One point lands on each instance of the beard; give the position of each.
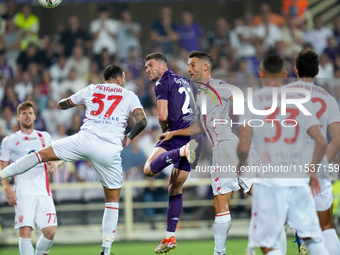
(27, 126)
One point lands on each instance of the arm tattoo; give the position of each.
(65, 104)
(140, 125)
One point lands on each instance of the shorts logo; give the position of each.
(21, 218)
(17, 143)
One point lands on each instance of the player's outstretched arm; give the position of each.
(162, 112)
(318, 153)
(65, 103)
(140, 118)
(194, 129)
(10, 194)
(334, 146)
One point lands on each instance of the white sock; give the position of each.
(331, 241)
(169, 234)
(21, 166)
(315, 248)
(181, 151)
(25, 246)
(43, 245)
(275, 252)
(221, 228)
(283, 240)
(109, 224)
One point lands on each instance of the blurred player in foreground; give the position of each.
(221, 138)
(32, 197)
(278, 196)
(327, 111)
(174, 105)
(100, 140)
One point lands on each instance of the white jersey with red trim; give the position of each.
(279, 140)
(17, 145)
(108, 107)
(324, 107)
(212, 105)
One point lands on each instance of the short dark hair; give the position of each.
(156, 56)
(307, 63)
(112, 72)
(201, 55)
(273, 63)
(25, 105)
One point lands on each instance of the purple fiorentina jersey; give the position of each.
(180, 95)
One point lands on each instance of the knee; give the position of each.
(49, 233)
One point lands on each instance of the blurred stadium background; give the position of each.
(61, 50)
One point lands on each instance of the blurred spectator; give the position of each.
(128, 35)
(265, 11)
(28, 23)
(104, 59)
(190, 33)
(104, 30)
(134, 63)
(77, 121)
(47, 56)
(60, 130)
(10, 99)
(10, 10)
(164, 33)
(222, 40)
(243, 78)
(222, 68)
(33, 69)
(51, 117)
(130, 83)
(332, 48)
(5, 69)
(79, 62)
(182, 61)
(26, 57)
(24, 87)
(246, 33)
(73, 36)
(45, 87)
(5, 121)
(39, 121)
(292, 37)
(59, 71)
(336, 28)
(318, 36)
(3, 84)
(133, 160)
(11, 43)
(326, 70)
(94, 76)
(268, 32)
(72, 83)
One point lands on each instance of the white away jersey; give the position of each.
(108, 107)
(279, 141)
(212, 105)
(17, 145)
(326, 109)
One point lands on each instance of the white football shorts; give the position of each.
(272, 207)
(33, 208)
(324, 200)
(105, 156)
(225, 179)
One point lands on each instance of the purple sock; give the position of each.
(174, 211)
(163, 160)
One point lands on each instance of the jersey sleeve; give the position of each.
(5, 150)
(161, 90)
(79, 97)
(134, 102)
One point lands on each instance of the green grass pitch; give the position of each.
(235, 246)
